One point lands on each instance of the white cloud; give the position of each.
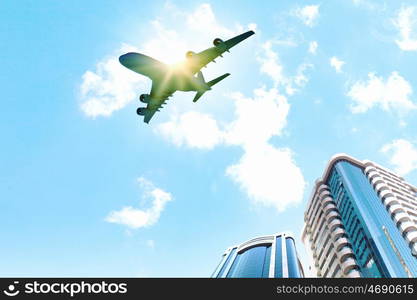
(271, 65)
(403, 155)
(390, 94)
(301, 79)
(312, 47)
(109, 88)
(192, 129)
(337, 64)
(308, 14)
(203, 19)
(406, 23)
(269, 176)
(258, 118)
(265, 173)
(137, 218)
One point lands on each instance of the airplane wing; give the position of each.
(200, 60)
(157, 101)
(144, 65)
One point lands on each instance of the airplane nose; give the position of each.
(137, 62)
(126, 59)
(133, 60)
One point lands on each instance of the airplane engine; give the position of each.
(217, 42)
(189, 54)
(141, 111)
(145, 98)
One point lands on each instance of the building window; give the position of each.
(222, 270)
(293, 270)
(251, 263)
(278, 257)
(337, 269)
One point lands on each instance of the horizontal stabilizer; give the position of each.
(197, 96)
(210, 84)
(216, 80)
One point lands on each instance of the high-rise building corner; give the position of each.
(361, 221)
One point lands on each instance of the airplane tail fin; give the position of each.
(200, 76)
(210, 84)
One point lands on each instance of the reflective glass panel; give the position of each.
(252, 263)
(226, 263)
(278, 258)
(293, 270)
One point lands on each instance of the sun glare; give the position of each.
(172, 55)
(172, 49)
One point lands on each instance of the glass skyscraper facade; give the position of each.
(272, 256)
(361, 221)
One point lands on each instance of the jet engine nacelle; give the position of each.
(217, 42)
(141, 111)
(145, 98)
(189, 54)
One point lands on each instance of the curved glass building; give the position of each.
(271, 256)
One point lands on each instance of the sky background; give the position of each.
(88, 189)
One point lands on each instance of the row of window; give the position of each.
(406, 199)
(354, 231)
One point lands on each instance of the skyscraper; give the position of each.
(272, 256)
(361, 221)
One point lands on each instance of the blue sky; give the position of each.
(88, 189)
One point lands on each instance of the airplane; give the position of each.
(185, 76)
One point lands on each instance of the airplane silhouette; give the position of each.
(186, 76)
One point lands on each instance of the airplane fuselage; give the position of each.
(180, 78)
